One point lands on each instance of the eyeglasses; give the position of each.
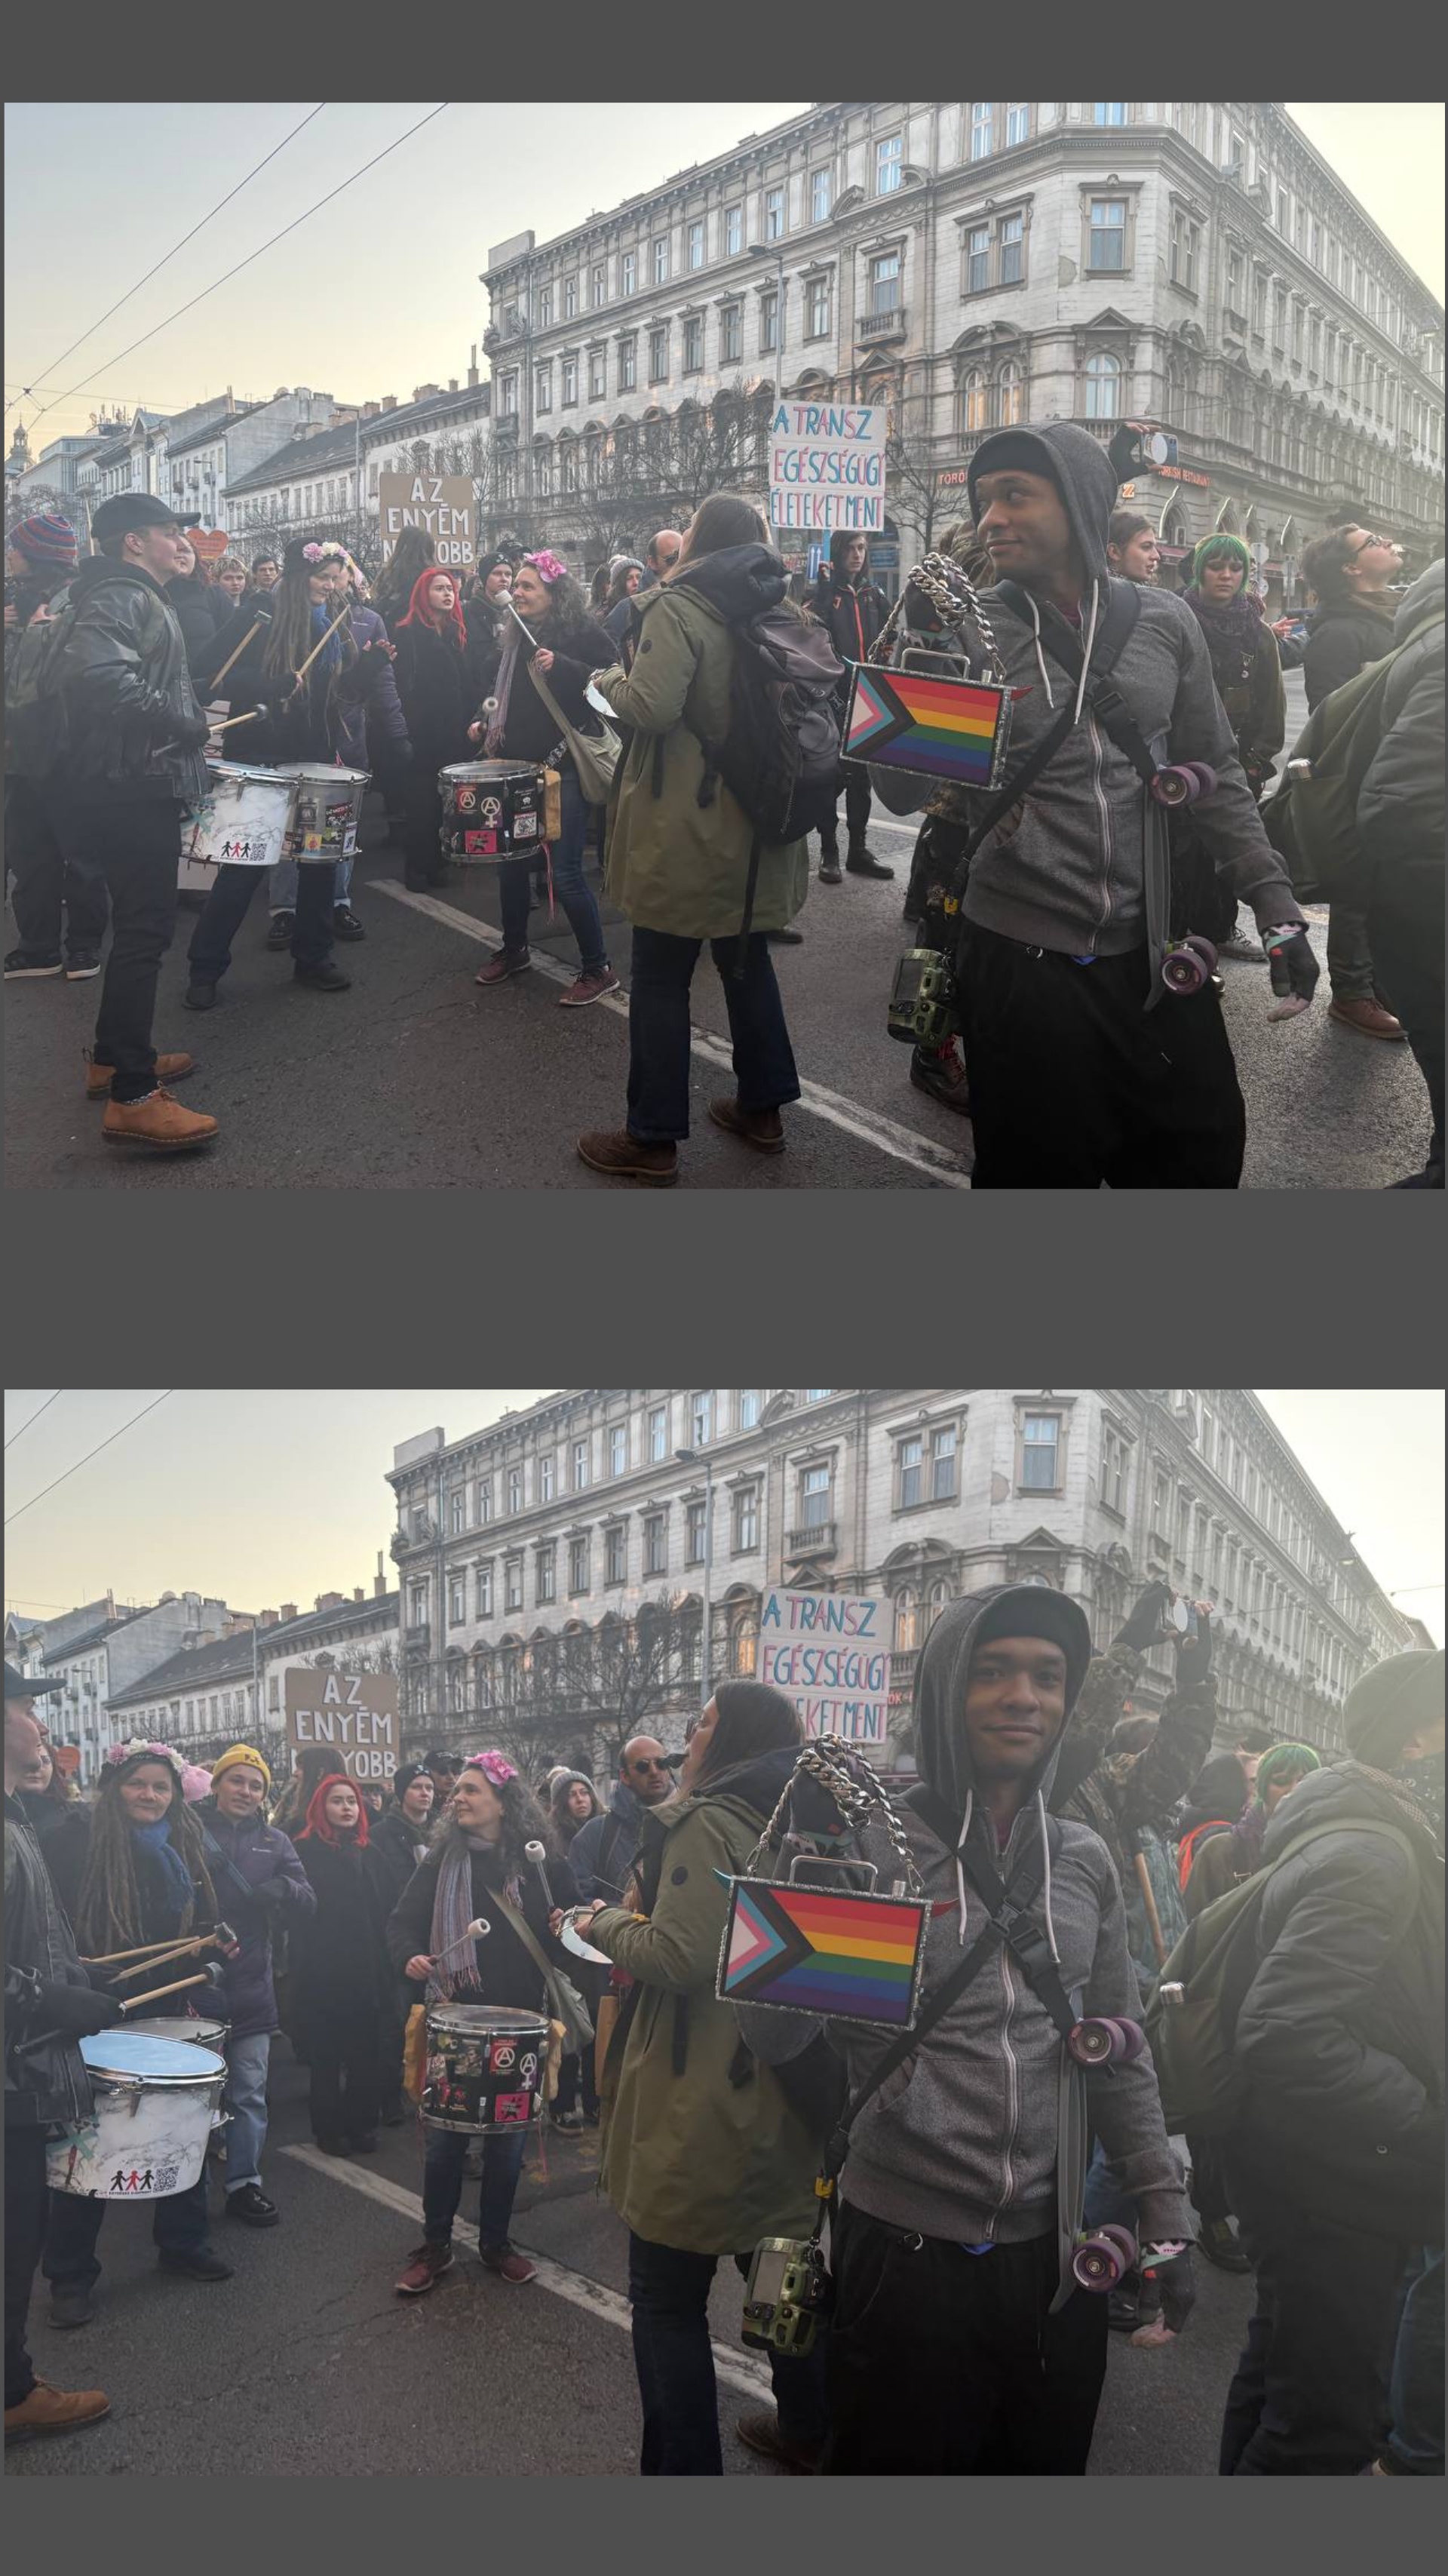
(1366, 542)
(649, 1765)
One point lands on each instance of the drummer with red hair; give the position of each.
(342, 1985)
(432, 682)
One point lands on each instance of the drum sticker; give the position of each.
(349, 842)
(467, 799)
(503, 2057)
(513, 2110)
(528, 2070)
(245, 853)
(492, 810)
(483, 843)
(525, 827)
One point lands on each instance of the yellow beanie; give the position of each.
(234, 1754)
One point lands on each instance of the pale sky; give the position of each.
(255, 1501)
(379, 292)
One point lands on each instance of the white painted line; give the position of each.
(868, 1126)
(737, 2370)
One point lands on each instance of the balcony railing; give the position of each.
(418, 1638)
(817, 1540)
(889, 325)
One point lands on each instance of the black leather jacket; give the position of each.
(47, 2080)
(124, 672)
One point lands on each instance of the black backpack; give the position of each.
(780, 758)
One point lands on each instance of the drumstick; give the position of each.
(178, 1989)
(538, 1856)
(166, 1959)
(155, 1951)
(475, 1932)
(320, 646)
(533, 640)
(263, 619)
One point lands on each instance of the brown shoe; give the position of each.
(589, 988)
(763, 1128)
(943, 1077)
(508, 2263)
(627, 1158)
(55, 2410)
(499, 968)
(760, 2432)
(169, 1068)
(159, 1122)
(1368, 1018)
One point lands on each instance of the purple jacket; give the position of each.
(240, 1858)
(381, 715)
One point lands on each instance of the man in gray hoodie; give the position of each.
(1083, 1068)
(959, 2345)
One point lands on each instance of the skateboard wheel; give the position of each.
(1094, 2043)
(1098, 2263)
(1205, 774)
(1123, 2239)
(1182, 970)
(1176, 785)
(1133, 2039)
(1202, 948)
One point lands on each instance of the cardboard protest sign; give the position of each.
(444, 504)
(827, 466)
(353, 1714)
(827, 1652)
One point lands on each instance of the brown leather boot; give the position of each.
(627, 1158)
(762, 1128)
(158, 1121)
(55, 2410)
(169, 1068)
(1367, 1017)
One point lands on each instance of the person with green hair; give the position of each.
(1247, 669)
(1225, 1859)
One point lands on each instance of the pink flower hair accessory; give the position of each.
(549, 567)
(136, 1751)
(493, 1766)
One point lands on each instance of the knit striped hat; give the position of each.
(46, 539)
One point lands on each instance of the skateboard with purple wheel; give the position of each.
(1103, 2258)
(1188, 963)
(1104, 2040)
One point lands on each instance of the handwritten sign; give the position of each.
(828, 1653)
(827, 466)
(444, 504)
(353, 1715)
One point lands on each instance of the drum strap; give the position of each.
(568, 2004)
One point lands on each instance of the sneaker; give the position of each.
(334, 2146)
(200, 2265)
(589, 988)
(251, 2205)
(943, 1079)
(1368, 1018)
(395, 2119)
(326, 978)
(279, 933)
(627, 1158)
(863, 863)
(787, 938)
(159, 1122)
(81, 964)
(760, 2432)
(200, 996)
(1218, 2241)
(71, 2303)
(346, 924)
(1250, 951)
(507, 2262)
(762, 1128)
(55, 2410)
(17, 964)
(499, 968)
(424, 2270)
(565, 2119)
(366, 2145)
(1123, 2311)
(169, 1069)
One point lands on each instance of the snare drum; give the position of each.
(485, 2068)
(196, 2029)
(153, 2105)
(242, 821)
(326, 811)
(491, 809)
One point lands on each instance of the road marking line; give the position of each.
(867, 1126)
(737, 2370)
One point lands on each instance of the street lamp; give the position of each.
(693, 1458)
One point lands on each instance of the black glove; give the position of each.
(1144, 1627)
(1174, 2278)
(75, 2011)
(1294, 968)
(187, 733)
(1194, 1653)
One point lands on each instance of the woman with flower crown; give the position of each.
(477, 1871)
(139, 1875)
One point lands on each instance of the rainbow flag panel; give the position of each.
(810, 1949)
(936, 728)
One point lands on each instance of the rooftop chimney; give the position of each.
(358, 1594)
(328, 1601)
(452, 384)
(379, 1580)
(266, 1619)
(288, 1611)
(389, 402)
(473, 364)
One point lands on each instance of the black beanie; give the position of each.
(1035, 1610)
(1390, 1703)
(402, 1779)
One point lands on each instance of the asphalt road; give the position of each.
(308, 2363)
(417, 1080)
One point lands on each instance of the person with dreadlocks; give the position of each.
(477, 1871)
(294, 719)
(1336, 2161)
(436, 691)
(341, 1980)
(1247, 669)
(140, 1876)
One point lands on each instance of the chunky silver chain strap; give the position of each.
(953, 596)
(858, 1800)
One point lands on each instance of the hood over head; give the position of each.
(1424, 594)
(1077, 464)
(1344, 1795)
(1004, 1610)
(1218, 1794)
(1392, 1701)
(738, 582)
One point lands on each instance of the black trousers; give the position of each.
(1309, 2397)
(1073, 1083)
(347, 2079)
(946, 2364)
(1200, 899)
(26, 2200)
(225, 909)
(136, 848)
(41, 858)
(1405, 934)
(856, 784)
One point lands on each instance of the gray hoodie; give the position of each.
(961, 2141)
(1082, 865)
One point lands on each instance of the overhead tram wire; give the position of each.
(85, 1461)
(246, 263)
(35, 1417)
(27, 390)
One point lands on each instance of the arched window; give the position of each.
(1103, 385)
(743, 1639)
(1010, 393)
(938, 1596)
(907, 1620)
(974, 401)
(482, 1681)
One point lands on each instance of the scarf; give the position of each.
(1395, 1782)
(1233, 625)
(330, 659)
(452, 1912)
(503, 689)
(161, 1860)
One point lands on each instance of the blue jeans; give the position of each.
(245, 2099)
(178, 2226)
(658, 1031)
(669, 2294)
(282, 884)
(1415, 2396)
(442, 2184)
(576, 897)
(1105, 2203)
